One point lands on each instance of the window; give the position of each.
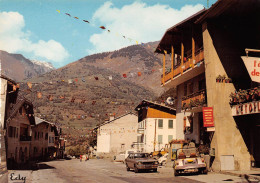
(170, 137)
(185, 89)
(46, 136)
(160, 123)
(160, 139)
(35, 135)
(49, 139)
(170, 124)
(21, 110)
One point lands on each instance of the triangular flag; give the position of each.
(139, 73)
(86, 21)
(110, 77)
(108, 30)
(96, 78)
(76, 79)
(67, 14)
(29, 85)
(39, 95)
(76, 17)
(124, 75)
(102, 27)
(58, 11)
(83, 80)
(165, 51)
(136, 42)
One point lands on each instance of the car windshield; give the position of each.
(140, 155)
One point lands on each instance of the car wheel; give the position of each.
(127, 168)
(176, 173)
(205, 171)
(136, 169)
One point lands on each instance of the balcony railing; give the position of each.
(196, 99)
(138, 145)
(187, 64)
(25, 138)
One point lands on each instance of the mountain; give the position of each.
(86, 92)
(18, 68)
(131, 61)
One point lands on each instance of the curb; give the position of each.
(246, 176)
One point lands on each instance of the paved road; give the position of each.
(104, 171)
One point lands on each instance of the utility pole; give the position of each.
(154, 143)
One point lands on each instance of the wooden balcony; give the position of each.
(180, 69)
(197, 99)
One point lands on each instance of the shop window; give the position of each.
(10, 134)
(170, 137)
(170, 124)
(49, 139)
(160, 123)
(160, 139)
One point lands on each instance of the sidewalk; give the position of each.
(250, 174)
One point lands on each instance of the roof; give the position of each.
(39, 121)
(231, 8)
(20, 101)
(8, 79)
(106, 122)
(168, 37)
(146, 103)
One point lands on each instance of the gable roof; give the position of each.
(230, 9)
(39, 121)
(21, 101)
(106, 122)
(146, 103)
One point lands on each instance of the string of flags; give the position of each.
(101, 27)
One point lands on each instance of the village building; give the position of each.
(18, 131)
(206, 67)
(156, 126)
(117, 135)
(46, 142)
(9, 90)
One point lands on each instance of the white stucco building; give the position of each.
(118, 134)
(156, 126)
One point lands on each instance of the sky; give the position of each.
(40, 29)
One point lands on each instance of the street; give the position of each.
(94, 170)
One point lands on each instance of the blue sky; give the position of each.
(35, 29)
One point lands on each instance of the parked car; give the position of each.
(140, 161)
(188, 161)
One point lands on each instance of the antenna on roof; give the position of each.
(207, 3)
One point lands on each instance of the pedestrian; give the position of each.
(86, 158)
(80, 158)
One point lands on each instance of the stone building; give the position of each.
(204, 48)
(117, 135)
(156, 126)
(46, 142)
(18, 131)
(9, 91)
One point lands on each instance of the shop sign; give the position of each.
(246, 108)
(253, 67)
(208, 117)
(210, 129)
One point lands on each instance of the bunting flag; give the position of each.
(110, 77)
(124, 75)
(70, 81)
(83, 101)
(136, 42)
(86, 21)
(108, 30)
(96, 78)
(185, 59)
(14, 87)
(102, 27)
(93, 102)
(50, 97)
(83, 80)
(68, 14)
(29, 85)
(39, 95)
(165, 52)
(76, 79)
(58, 11)
(76, 17)
(198, 64)
(139, 73)
(72, 100)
